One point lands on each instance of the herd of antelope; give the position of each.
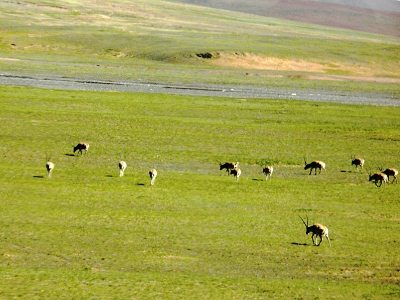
(232, 168)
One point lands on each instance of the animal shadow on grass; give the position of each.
(347, 171)
(298, 244)
(258, 179)
(38, 176)
(69, 154)
(141, 184)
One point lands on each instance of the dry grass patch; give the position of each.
(259, 62)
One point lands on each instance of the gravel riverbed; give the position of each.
(243, 92)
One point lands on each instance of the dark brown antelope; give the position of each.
(153, 175)
(236, 172)
(228, 166)
(267, 171)
(382, 178)
(317, 230)
(122, 166)
(358, 162)
(82, 146)
(316, 164)
(49, 167)
(391, 172)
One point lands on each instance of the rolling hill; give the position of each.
(169, 41)
(382, 17)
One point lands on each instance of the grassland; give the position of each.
(164, 41)
(88, 234)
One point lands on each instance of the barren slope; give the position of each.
(322, 13)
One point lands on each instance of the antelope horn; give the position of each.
(303, 221)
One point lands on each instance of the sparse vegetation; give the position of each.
(173, 42)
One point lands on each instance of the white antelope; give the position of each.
(153, 175)
(391, 172)
(122, 166)
(317, 230)
(316, 164)
(267, 171)
(82, 146)
(358, 162)
(236, 172)
(382, 178)
(228, 166)
(49, 167)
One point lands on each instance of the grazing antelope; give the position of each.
(82, 146)
(381, 177)
(316, 164)
(49, 167)
(391, 172)
(153, 175)
(358, 162)
(122, 166)
(236, 172)
(317, 230)
(267, 171)
(228, 166)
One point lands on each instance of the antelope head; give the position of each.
(307, 227)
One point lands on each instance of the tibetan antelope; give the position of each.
(267, 171)
(228, 166)
(316, 164)
(153, 175)
(122, 166)
(82, 146)
(49, 167)
(358, 162)
(236, 172)
(381, 177)
(391, 172)
(317, 230)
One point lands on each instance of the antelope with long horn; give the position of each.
(122, 166)
(317, 230)
(153, 175)
(382, 178)
(316, 164)
(49, 167)
(82, 146)
(391, 172)
(236, 172)
(358, 162)
(228, 166)
(267, 171)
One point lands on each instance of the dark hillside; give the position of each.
(386, 22)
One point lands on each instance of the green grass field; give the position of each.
(86, 233)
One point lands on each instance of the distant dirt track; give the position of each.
(200, 90)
